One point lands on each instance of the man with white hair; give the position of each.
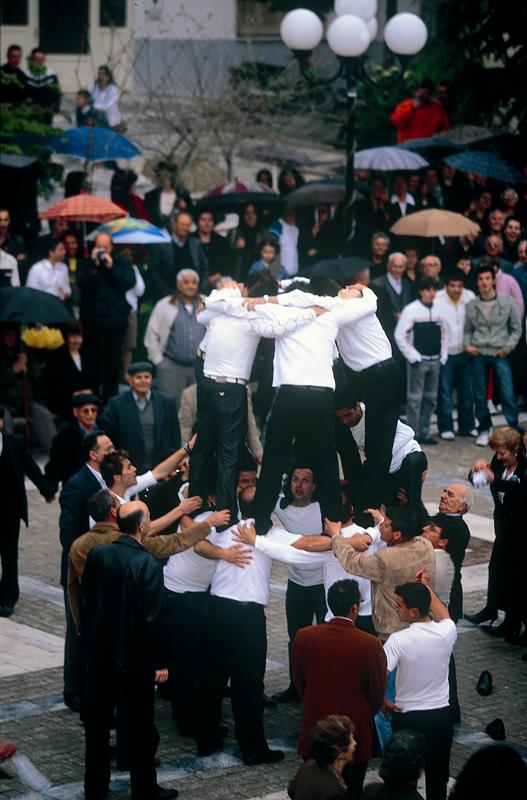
(396, 285)
(455, 501)
(173, 335)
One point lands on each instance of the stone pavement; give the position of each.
(33, 717)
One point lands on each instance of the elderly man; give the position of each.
(397, 286)
(430, 267)
(494, 251)
(67, 454)
(142, 420)
(103, 282)
(184, 252)
(173, 335)
(455, 501)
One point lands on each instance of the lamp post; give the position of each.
(349, 35)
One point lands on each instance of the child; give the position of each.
(269, 252)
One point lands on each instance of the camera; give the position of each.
(101, 260)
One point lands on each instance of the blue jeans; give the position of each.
(455, 374)
(384, 724)
(503, 377)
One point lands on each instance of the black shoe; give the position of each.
(484, 684)
(485, 615)
(496, 730)
(269, 702)
(208, 748)
(289, 695)
(263, 757)
(73, 701)
(6, 611)
(501, 631)
(427, 440)
(165, 794)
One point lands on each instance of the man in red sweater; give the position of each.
(421, 115)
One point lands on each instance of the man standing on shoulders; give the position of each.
(142, 420)
(421, 654)
(492, 330)
(67, 455)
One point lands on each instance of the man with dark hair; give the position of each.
(421, 335)
(421, 654)
(492, 330)
(67, 454)
(217, 248)
(43, 86)
(421, 115)
(184, 252)
(13, 79)
(512, 234)
(125, 645)
(403, 760)
(339, 667)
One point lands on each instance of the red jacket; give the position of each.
(416, 123)
(338, 669)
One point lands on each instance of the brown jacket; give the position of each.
(161, 546)
(387, 569)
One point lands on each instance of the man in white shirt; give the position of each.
(51, 274)
(455, 372)
(421, 654)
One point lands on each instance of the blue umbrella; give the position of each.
(128, 230)
(93, 144)
(483, 162)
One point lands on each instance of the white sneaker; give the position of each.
(483, 439)
(448, 435)
(492, 408)
(473, 432)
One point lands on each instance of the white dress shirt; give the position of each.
(453, 315)
(99, 477)
(403, 443)
(304, 521)
(231, 343)
(395, 283)
(138, 289)
(53, 279)
(289, 247)
(403, 204)
(107, 100)
(188, 571)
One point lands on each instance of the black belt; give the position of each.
(378, 365)
(306, 388)
(231, 601)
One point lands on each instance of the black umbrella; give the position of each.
(331, 190)
(234, 201)
(26, 306)
(336, 268)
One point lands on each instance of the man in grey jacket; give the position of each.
(492, 330)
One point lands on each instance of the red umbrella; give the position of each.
(85, 207)
(237, 187)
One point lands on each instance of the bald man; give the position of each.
(121, 596)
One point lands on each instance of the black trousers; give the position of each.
(302, 604)
(186, 614)
(304, 415)
(354, 774)
(235, 648)
(409, 477)
(9, 589)
(436, 727)
(134, 695)
(74, 666)
(222, 429)
(380, 388)
(101, 350)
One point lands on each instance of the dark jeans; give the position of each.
(302, 603)
(222, 429)
(503, 377)
(9, 590)
(436, 727)
(101, 352)
(134, 695)
(73, 655)
(235, 648)
(410, 477)
(455, 374)
(354, 774)
(304, 415)
(186, 613)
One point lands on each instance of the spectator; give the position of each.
(160, 203)
(412, 260)
(13, 91)
(496, 770)
(509, 201)
(493, 250)
(103, 282)
(122, 193)
(421, 115)
(319, 241)
(51, 274)
(479, 207)
(397, 286)
(246, 238)
(9, 242)
(512, 234)
(173, 335)
(378, 254)
(67, 454)
(182, 253)
(66, 373)
(519, 273)
(403, 760)
(464, 264)
(287, 234)
(264, 177)
(455, 373)
(422, 339)
(71, 259)
(269, 252)
(430, 193)
(506, 284)
(332, 745)
(9, 275)
(430, 267)
(85, 113)
(57, 230)
(42, 84)
(217, 248)
(452, 188)
(492, 330)
(371, 215)
(106, 95)
(289, 180)
(401, 201)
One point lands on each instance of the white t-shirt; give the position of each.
(421, 653)
(305, 521)
(188, 571)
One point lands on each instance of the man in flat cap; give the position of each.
(67, 454)
(142, 420)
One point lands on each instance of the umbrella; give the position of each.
(312, 193)
(233, 201)
(235, 187)
(16, 162)
(128, 230)
(435, 222)
(483, 162)
(86, 207)
(465, 135)
(93, 144)
(335, 268)
(388, 159)
(26, 306)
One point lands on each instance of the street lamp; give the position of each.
(349, 35)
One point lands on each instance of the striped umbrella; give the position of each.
(483, 162)
(388, 159)
(132, 231)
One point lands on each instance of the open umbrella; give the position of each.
(236, 187)
(435, 222)
(466, 135)
(93, 144)
(335, 268)
(331, 190)
(483, 162)
(27, 306)
(128, 230)
(388, 159)
(84, 207)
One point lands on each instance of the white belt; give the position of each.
(225, 379)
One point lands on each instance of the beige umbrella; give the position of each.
(435, 222)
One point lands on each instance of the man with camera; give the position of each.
(420, 115)
(103, 281)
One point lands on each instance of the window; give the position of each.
(13, 12)
(112, 14)
(58, 16)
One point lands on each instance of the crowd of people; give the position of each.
(288, 391)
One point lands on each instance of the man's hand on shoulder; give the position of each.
(332, 528)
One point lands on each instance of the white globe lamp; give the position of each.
(365, 9)
(373, 27)
(405, 34)
(348, 36)
(301, 29)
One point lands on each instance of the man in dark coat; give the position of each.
(103, 282)
(338, 668)
(142, 420)
(183, 252)
(122, 623)
(15, 464)
(67, 455)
